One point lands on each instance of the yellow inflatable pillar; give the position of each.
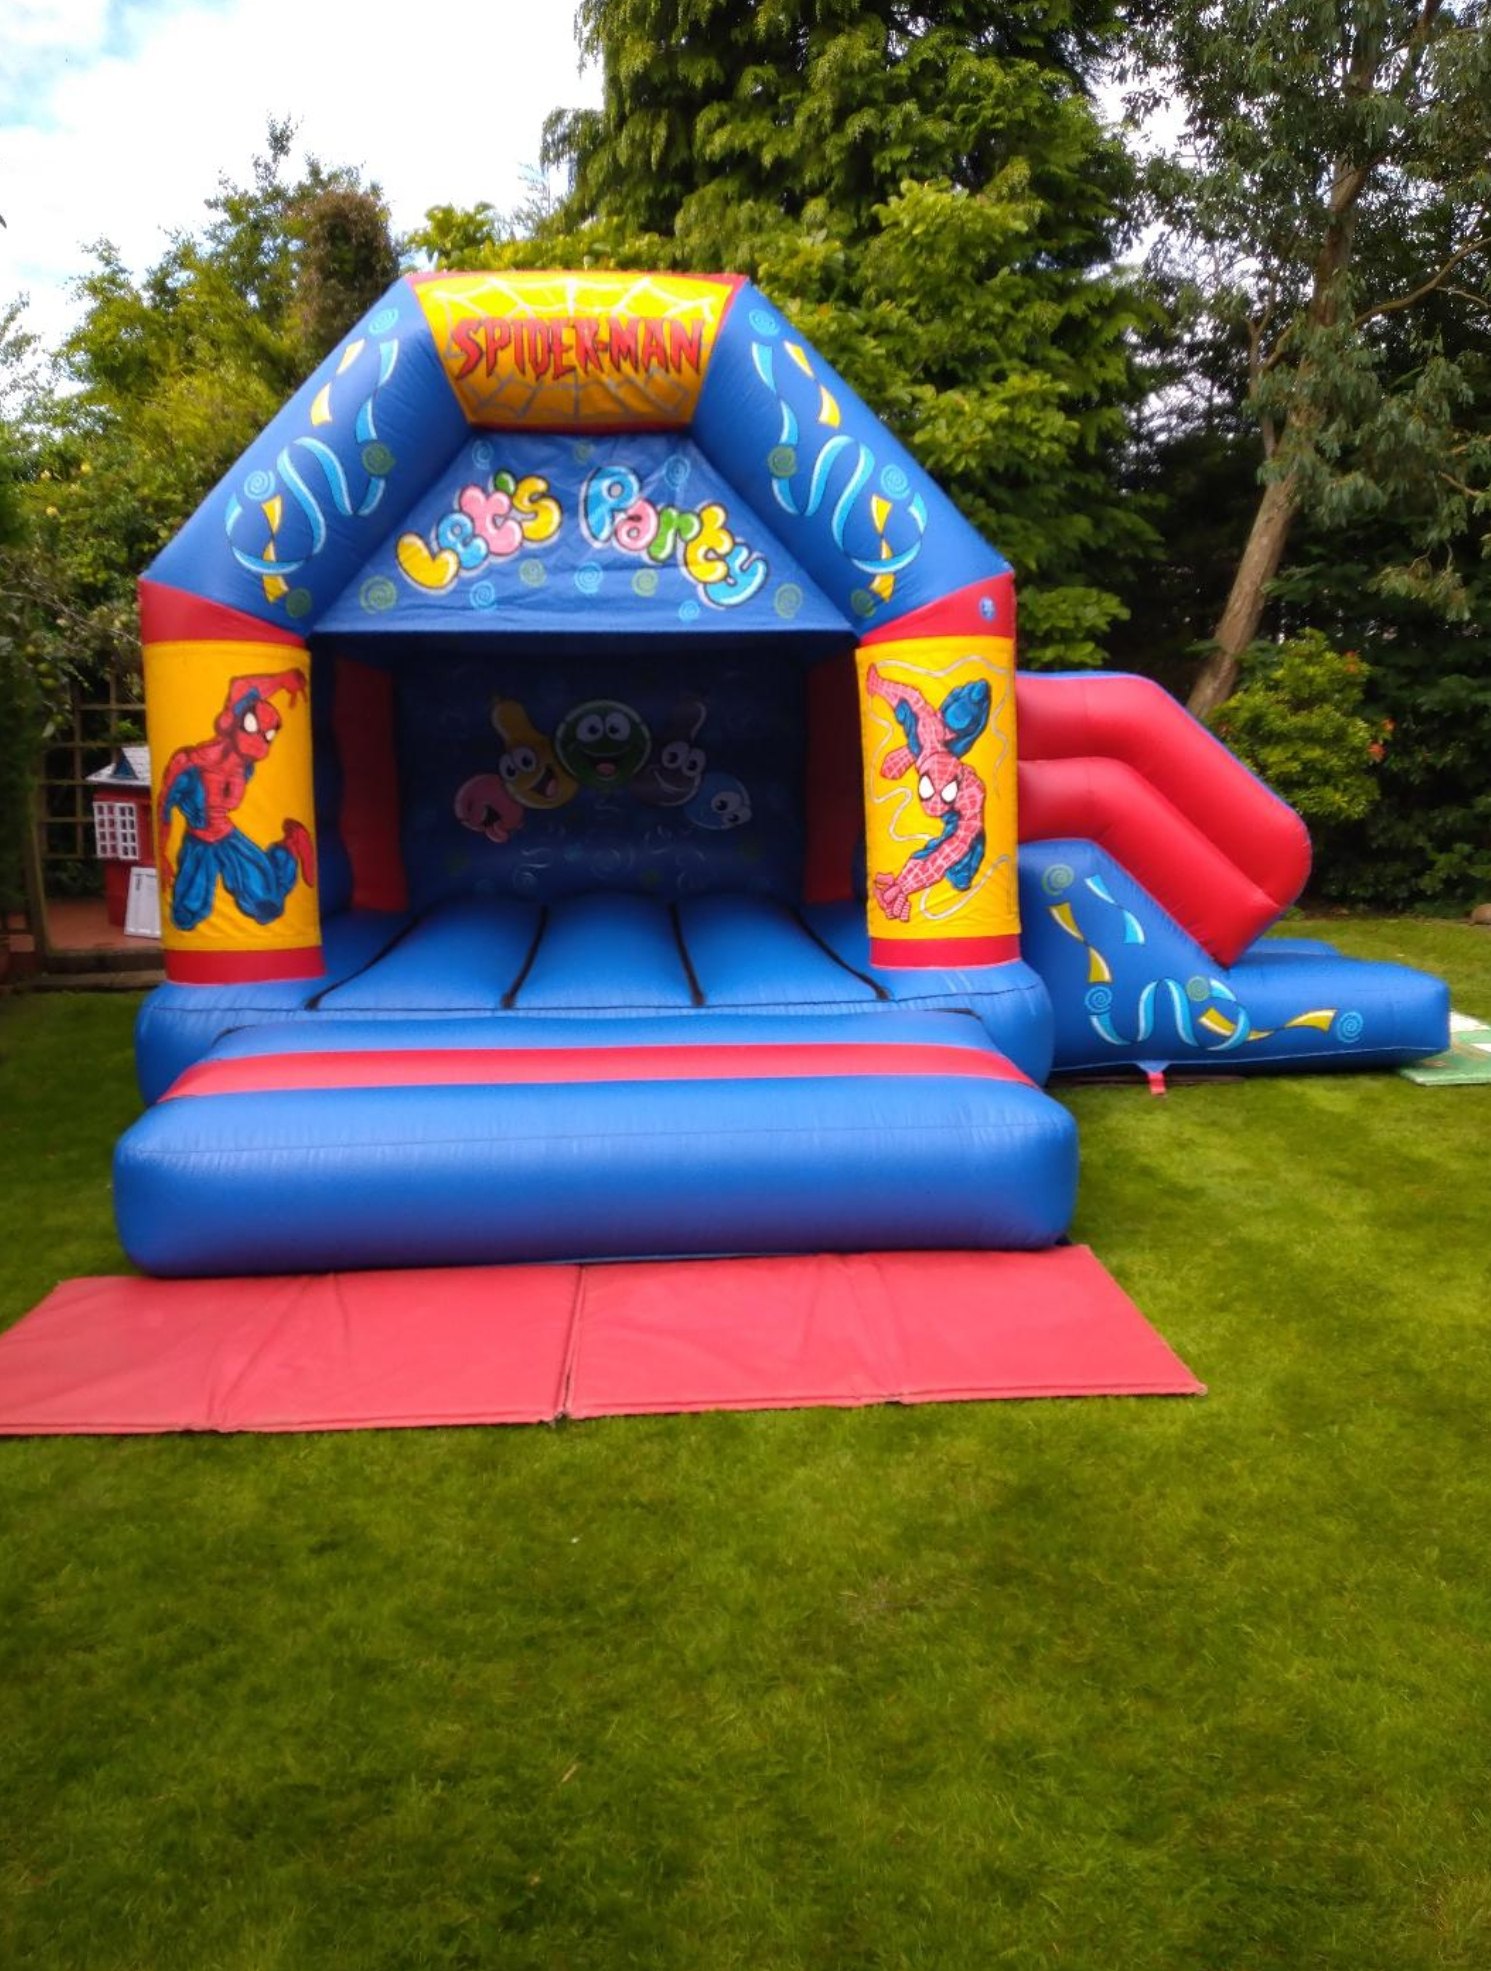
(937, 717)
(230, 745)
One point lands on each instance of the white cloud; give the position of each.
(55, 23)
(127, 146)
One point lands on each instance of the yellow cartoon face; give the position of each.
(529, 770)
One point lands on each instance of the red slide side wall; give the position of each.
(1117, 761)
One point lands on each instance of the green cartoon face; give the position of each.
(602, 744)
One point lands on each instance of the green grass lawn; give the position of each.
(1108, 1684)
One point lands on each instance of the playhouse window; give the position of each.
(116, 828)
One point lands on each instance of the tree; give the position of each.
(161, 386)
(168, 378)
(347, 259)
(1330, 204)
(800, 102)
(1429, 695)
(931, 197)
(310, 257)
(21, 696)
(19, 395)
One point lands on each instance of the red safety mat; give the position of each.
(527, 1344)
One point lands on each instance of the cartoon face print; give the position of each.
(939, 782)
(529, 770)
(602, 744)
(252, 725)
(485, 805)
(673, 773)
(721, 802)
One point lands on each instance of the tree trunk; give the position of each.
(1269, 534)
(1267, 540)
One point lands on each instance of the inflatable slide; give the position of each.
(1152, 862)
(599, 818)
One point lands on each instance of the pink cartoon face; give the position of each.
(485, 805)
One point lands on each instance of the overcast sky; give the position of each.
(116, 116)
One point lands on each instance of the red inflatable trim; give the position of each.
(362, 721)
(170, 615)
(453, 1067)
(835, 775)
(244, 967)
(983, 608)
(1119, 762)
(951, 954)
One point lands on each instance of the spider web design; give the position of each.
(597, 397)
(904, 806)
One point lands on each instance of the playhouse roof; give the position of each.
(130, 767)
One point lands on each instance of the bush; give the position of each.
(1429, 837)
(1298, 723)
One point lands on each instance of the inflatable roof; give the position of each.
(329, 519)
(561, 455)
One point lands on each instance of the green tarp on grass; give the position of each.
(1468, 1058)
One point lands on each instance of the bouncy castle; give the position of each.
(599, 817)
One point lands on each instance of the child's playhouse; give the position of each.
(599, 817)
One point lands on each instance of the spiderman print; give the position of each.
(206, 785)
(950, 792)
